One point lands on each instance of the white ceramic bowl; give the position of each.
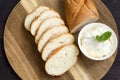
(93, 49)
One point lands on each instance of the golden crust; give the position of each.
(79, 11)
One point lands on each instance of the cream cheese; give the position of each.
(91, 47)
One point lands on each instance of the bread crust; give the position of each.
(80, 12)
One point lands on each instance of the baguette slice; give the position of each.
(43, 16)
(62, 60)
(79, 13)
(59, 41)
(30, 17)
(47, 24)
(50, 33)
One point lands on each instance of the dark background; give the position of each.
(6, 72)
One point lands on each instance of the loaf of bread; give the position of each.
(79, 13)
(30, 17)
(61, 60)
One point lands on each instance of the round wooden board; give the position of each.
(24, 58)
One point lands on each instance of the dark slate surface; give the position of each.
(7, 73)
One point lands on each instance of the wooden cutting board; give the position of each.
(24, 57)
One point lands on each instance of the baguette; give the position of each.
(79, 13)
(54, 41)
(62, 60)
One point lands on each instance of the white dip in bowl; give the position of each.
(93, 49)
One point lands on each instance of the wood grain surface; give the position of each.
(22, 53)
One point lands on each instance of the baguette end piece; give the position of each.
(62, 60)
(82, 24)
(80, 14)
(31, 16)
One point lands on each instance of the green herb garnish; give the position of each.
(105, 36)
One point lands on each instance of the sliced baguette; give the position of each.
(30, 17)
(62, 60)
(50, 33)
(43, 16)
(59, 41)
(47, 24)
